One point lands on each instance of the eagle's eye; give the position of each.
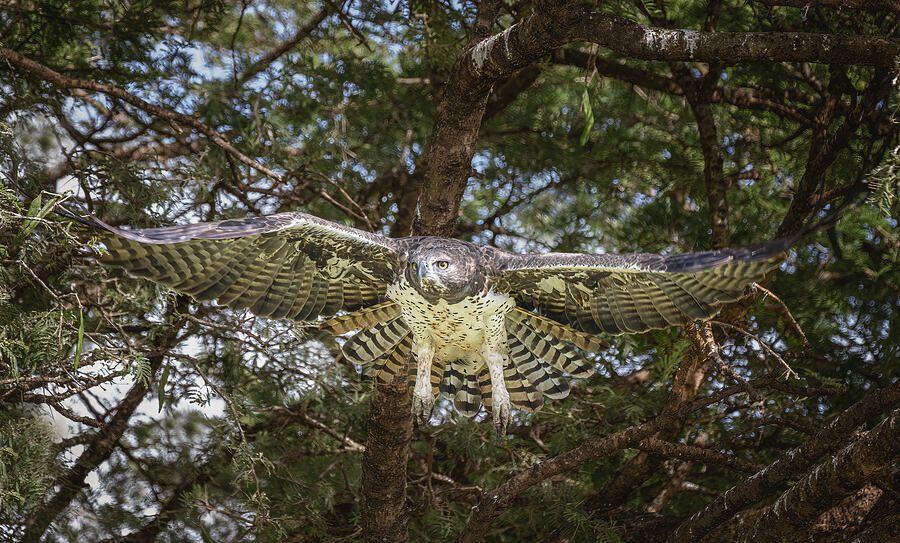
(442, 264)
(414, 266)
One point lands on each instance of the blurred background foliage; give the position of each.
(251, 429)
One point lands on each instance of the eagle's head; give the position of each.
(444, 268)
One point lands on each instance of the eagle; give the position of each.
(485, 327)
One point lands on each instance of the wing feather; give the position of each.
(635, 292)
(286, 265)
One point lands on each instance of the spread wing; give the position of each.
(636, 292)
(289, 265)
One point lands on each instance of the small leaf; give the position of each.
(36, 212)
(80, 342)
(35, 206)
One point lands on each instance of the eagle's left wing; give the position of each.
(288, 265)
(635, 292)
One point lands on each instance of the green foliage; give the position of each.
(27, 463)
(579, 161)
(884, 184)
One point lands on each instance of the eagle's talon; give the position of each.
(422, 407)
(502, 414)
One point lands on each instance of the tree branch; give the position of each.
(779, 472)
(789, 517)
(494, 502)
(713, 164)
(389, 425)
(742, 97)
(106, 439)
(825, 147)
(63, 82)
(868, 5)
(696, 454)
(685, 387)
(651, 43)
(448, 154)
(301, 34)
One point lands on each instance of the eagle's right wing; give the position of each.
(289, 265)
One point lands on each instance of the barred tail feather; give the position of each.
(375, 342)
(544, 377)
(467, 399)
(394, 362)
(582, 340)
(364, 318)
(550, 349)
(522, 393)
(460, 384)
(484, 387)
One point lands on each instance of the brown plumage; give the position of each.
(487, 327)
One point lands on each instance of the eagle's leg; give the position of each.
(501, 409)
(423, 399)
(495, 353)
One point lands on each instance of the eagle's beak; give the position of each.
(422, 270)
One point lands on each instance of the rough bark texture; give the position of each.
(779, 472)
(644, 42)
(872, 5)
(789, 518)
(390, 426)
(447, 160)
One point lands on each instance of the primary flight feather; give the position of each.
(486, 327)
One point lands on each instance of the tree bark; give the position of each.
(870, 5)
(384, 512)
(788, 519)
(776, 475)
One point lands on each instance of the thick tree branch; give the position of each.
(696, 454)
(779, 472)
(869, 5)
(713, 164)
(788, 519)
(384, 513)
(461, 107)
(649, 43)
(539, 34)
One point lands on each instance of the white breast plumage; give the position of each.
(457, 330)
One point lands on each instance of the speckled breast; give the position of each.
(456, 329)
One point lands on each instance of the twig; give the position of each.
(786, 313)
(57, 79)
(763, 344)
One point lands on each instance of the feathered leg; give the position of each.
(495, 353)
(423, 399)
